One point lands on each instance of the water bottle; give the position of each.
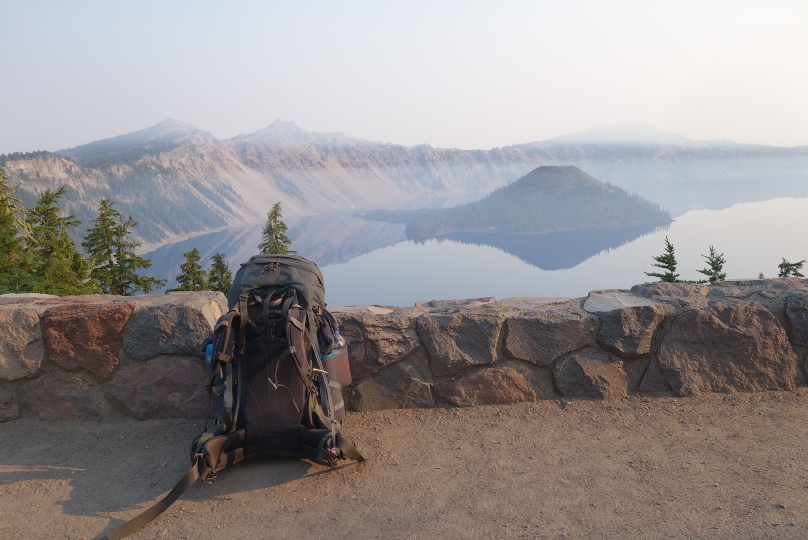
(209, 354)
(339, 341)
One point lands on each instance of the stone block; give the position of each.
(627, 322)
(171, 387)
(677, 294)
(543, 337)
(727, 347)
(590, 374)
(85, 336)
(376, 341)
(796, 312)
(8, 406)
(58, 395)
(653, 380)
(401, 386)
(765, 288)
(457, 341)
(176, 324)
(21, 348)
(491, 386)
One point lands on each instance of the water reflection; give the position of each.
(553, 251)
(371, 262)
(326, 239)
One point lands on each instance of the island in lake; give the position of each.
(546, 200)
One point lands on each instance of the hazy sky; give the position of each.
(452, 74)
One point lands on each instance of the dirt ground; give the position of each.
(718, 466)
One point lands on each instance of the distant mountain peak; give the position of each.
(281, 131)
(624, 133)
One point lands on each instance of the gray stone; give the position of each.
(735, 346)
(604, 301)
(765, 288)
(629, 331)
(653, 380)
(542, 337)
(21, 348)
(455, 342)
(491, 386)
(376, 341)
(454, 305)
(401, 386)
(796, 311)
(8, 406)
(527, 303)
(175, 325)
(590, 374)
(16, 297)
(58, 395)
(676, 294)
(170, 387)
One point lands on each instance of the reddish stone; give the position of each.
(493, 386)
(590, 374)
(376, 341)
(727, 347)
(86, 337)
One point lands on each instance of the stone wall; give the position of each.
(100, 357)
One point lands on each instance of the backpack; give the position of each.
(277, 368)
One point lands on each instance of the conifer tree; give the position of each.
(13, 275)
(274, 239)
(58, 267)
(715, 263)
(220, 278)
(788, 269)
(666, 261)
(111, 249)
(192, 277)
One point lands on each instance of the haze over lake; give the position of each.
(374, 263)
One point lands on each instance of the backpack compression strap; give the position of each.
(339, 439)
(146, 517)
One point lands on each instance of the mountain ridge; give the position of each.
(178, 180)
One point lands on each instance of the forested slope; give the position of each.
(548, 199)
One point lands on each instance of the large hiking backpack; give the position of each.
(277, 367)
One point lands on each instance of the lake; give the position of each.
(374, 263)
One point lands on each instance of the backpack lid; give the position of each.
(292, 271)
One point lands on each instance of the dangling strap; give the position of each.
(242, 331)
(218, 404)
(146, 517)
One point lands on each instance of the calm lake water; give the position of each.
(374, 263)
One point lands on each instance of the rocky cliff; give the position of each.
(177, 180)
(98, 357)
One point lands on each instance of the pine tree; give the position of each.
(111, 251)
(788, 269)
(58, 267)
(13, 275)
(220, 278)
(275, 241)
(715, 263)
(192, 277)
(666, 261)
